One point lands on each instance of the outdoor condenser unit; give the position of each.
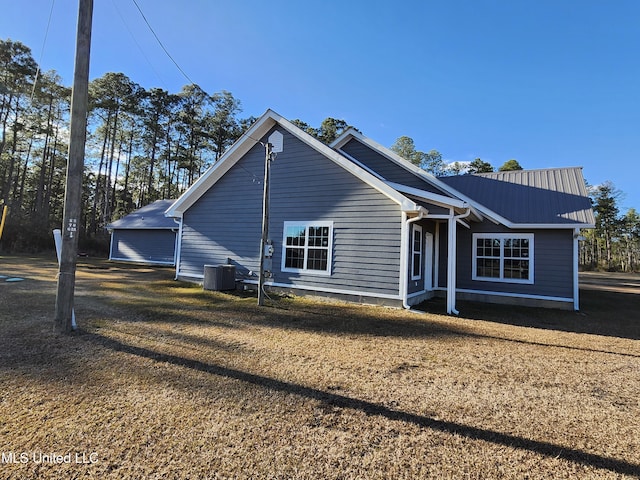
(219, 277)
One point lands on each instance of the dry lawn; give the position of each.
(166, 381)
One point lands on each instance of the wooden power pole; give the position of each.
(75, 169)
(265, 222)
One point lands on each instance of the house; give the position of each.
(354, 220)
(145, 236)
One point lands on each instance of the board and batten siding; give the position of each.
(553, 263)
(144, 246)
(225, 223)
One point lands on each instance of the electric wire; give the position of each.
(161, 44)
(122, 19)
(44, 43)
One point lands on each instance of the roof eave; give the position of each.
(240, 147)
(248, 141)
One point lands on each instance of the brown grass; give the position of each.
(167, 381)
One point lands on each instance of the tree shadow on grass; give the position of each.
(344, 319)
(373, 409)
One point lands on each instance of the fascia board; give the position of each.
(245, 143)
(339, 142)
(433, 197)
(394, 157)
(549, 226)
(140, 228)
(406, 204)
(484, 211)
(250, 138)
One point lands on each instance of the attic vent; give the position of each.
(276, 140)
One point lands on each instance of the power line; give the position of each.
(44, 43)
(133, 37)
(161, 45)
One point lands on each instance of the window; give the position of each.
(307, 247)
(416, 253)
(503, 257)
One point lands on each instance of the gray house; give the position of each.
(145, 236)
(355, 220)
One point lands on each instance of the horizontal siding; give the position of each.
(226, 222)
(553, 263)
(144, 246)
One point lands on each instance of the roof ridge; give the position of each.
(526, 170)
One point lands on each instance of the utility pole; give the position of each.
(75, 168)
(265, 222)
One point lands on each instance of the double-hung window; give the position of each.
(501, 257)
(307, 246)
(416, 253)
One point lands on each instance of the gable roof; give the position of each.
(447, 197)
(148, 217)
(352, 133)
(546, 198)
(553, 197)
(251, 137)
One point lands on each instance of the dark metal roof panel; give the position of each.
(555, 196)
(148, 217)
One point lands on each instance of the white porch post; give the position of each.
(451, 265)
(576, 262)
(404, 258)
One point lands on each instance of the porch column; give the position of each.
(451, 265)
(576, 267)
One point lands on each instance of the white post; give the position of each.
(576, 268)
(451, 265)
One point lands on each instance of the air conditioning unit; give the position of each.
(219, 277)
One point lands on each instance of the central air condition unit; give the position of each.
(219, 277)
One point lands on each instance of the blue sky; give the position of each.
(548, 82)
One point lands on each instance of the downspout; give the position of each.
(576, 263)
(110, 243)
(406, 242)
(178, 245)
(452, 259)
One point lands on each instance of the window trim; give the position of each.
(502, 237)
(329, 248)
(417, 230)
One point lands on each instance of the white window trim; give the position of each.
(502, 237)
(416, 229)
(307, 224)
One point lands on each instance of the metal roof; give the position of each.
(149, 217)
(555, 196)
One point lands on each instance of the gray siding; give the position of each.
(389, 170)
(225, 223)
(143, 246)
(553, 262)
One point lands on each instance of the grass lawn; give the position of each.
(164, 380)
